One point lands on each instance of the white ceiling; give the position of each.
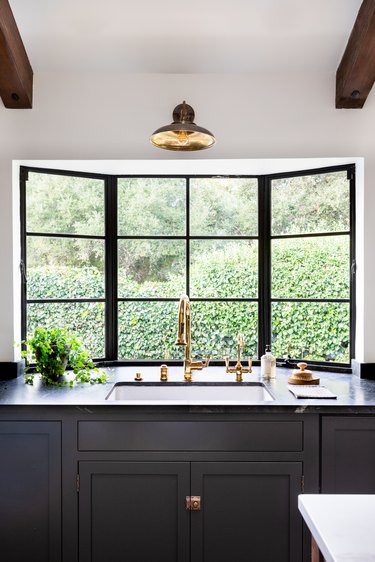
(198, 36)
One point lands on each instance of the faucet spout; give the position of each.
(183, 332)
(184, 338)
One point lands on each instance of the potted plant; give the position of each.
(55, 350)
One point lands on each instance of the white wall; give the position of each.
(110, 117)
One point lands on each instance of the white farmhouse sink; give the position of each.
(190, 393)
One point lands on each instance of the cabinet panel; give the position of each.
(262, 435)
(30, 491)
(249, 512)
(133, 511)
(348, 455)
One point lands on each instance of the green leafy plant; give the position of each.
(306, 268)
(55, 350)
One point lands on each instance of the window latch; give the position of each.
(23, 272)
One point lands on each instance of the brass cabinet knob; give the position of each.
(193, 503)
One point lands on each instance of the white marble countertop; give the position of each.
(343, 526)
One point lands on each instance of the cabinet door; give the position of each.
(248, 512)
(30, 491)
(134, 511)
(348, 455)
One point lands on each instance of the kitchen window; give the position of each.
(267, 256)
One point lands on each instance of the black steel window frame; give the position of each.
(264, 239)
(350, 172)
(109, 254)
(187, 237)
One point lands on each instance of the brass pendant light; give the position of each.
(183, 133)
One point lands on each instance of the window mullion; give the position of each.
(264, 221)
(351, 178)
(111, 308)
(188, 236)
(24, 176)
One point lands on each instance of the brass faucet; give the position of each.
(238, 369)
(184, 338)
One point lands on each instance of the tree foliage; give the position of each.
(317, 331)
(302, 268)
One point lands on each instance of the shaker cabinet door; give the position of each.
(248, 512)
(348, 455)
(133, 511)
(30, 491)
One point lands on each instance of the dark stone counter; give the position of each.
(354, 395)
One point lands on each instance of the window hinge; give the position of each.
(77, 483)
(351, 173)
(302, 484)
(24, 174)
(23, 272)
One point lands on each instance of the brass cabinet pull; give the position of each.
(193, 503)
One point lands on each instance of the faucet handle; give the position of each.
(241, 342)
(226, 359)
(250, 363)
(199, 365)
(206, 361)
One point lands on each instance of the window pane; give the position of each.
(64, 204)
(85, 320)
(316, 203)
(151, 268)
(151, 206)
(224, 206)
(216, 325)
(311, 267)
(148, 330)
(64, 268)
(313, 331)
(224, 268)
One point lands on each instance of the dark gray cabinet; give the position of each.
(262, 434)
(348, 455)
(108, 484)
(133, 511)
(247, 470)
(136, 511)
(30, 491)
(249, 512)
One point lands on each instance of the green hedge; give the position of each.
(310, 268)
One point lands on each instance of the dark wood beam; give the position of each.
(356, 73)
(16, 74)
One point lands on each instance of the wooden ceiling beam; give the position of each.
(356, 72)
(16, 74)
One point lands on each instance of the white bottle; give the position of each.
(268, 364)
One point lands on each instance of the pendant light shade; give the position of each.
(183, 133)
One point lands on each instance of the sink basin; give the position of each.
(190, 393)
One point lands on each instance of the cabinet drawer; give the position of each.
(190, 436)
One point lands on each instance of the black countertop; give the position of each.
(354, 395)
